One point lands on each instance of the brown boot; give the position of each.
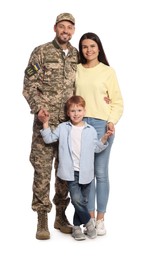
(61, 221)
(42, 226)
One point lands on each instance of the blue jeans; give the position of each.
(99, 191)
(79, 197)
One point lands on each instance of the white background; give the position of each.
(120, 26)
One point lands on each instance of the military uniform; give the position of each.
(48, 83)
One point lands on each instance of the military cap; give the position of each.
(65, 17)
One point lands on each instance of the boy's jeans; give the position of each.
(79, 197)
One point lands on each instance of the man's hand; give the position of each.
(107, 100)
(43, 115)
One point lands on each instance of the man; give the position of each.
(48, 83)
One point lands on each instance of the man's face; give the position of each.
(64, 31)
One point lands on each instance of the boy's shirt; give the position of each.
(89, 145)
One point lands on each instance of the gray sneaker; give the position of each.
(85, 229)
(90, 229)
(77, 233)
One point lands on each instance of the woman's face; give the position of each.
(90, 49)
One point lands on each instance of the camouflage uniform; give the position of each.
(48, 83)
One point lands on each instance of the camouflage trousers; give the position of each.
(41, 158)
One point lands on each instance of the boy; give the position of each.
(77, 143)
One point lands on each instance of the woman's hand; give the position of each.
(110, 127)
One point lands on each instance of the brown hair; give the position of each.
(75, 100)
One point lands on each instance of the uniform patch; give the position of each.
(32, 69)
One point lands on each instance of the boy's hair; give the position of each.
(75, 100)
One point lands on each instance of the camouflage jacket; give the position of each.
(49, 79)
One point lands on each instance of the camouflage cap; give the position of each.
(65, 17)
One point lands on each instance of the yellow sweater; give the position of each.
(93, 84)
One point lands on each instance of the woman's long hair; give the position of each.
(92, 36)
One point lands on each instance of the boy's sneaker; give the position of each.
(100, 227)
(77, 233)
(85, 229)
(90, 229)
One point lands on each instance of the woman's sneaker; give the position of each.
(77, 233)
(100, 227)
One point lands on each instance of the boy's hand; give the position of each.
(108, 133)
(106, 136)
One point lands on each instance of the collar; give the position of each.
(86, 125)
(57, 45)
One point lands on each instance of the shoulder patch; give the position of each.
(32, 69)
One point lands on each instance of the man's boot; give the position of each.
(61, 221)
(42, 226)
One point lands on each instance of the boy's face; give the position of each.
(76, 114)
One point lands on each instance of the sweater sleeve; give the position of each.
(116, 105)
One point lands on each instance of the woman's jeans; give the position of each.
(79, 197)
(99, 191)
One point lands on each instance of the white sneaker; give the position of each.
(100, 227)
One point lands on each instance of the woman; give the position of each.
(95, 79)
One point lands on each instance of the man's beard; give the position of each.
(62, 41)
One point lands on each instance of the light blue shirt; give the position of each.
(89, 145)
